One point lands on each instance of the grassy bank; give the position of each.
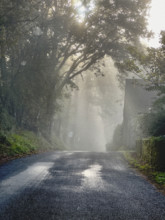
(157, 178)
(22, 143)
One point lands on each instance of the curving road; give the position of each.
(76, 185)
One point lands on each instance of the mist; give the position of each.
(92, 111)
(82, 108)
(62, 67)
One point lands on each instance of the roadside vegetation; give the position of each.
(148, 153)
(23, 143)
(156, 177)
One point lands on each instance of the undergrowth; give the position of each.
(155, 176)
(25, 143)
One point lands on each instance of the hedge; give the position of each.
(152, 151)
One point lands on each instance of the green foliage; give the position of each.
(145, 168)
(153, 152)
(147, 63)
(43, 47)
(153, 124)
(15, 144)
(6, 120)
(24, 143)
(159, 177)
(3, 139)
(135, 162)
(21, 145)
(4, 144)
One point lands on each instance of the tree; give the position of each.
(152, 124)
(44, 46)
(149, 64)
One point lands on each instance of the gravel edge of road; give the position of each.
(147, 176)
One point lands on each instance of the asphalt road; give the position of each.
(76, 185)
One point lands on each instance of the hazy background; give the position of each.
(92, 111)
(91, 114)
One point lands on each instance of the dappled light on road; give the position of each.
(15, 183)
(92, 177)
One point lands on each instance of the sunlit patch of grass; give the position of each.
(25, 143)
(21, 145)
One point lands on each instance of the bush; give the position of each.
(6, 120)
(160, 178)
(21, 145)
(153, 152)
(24, 143)
(153, 124)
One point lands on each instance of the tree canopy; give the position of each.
(149, 64)
(45, 44)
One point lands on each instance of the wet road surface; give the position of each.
(76, 185)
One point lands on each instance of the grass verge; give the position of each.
(155, 177)
(23, 143)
